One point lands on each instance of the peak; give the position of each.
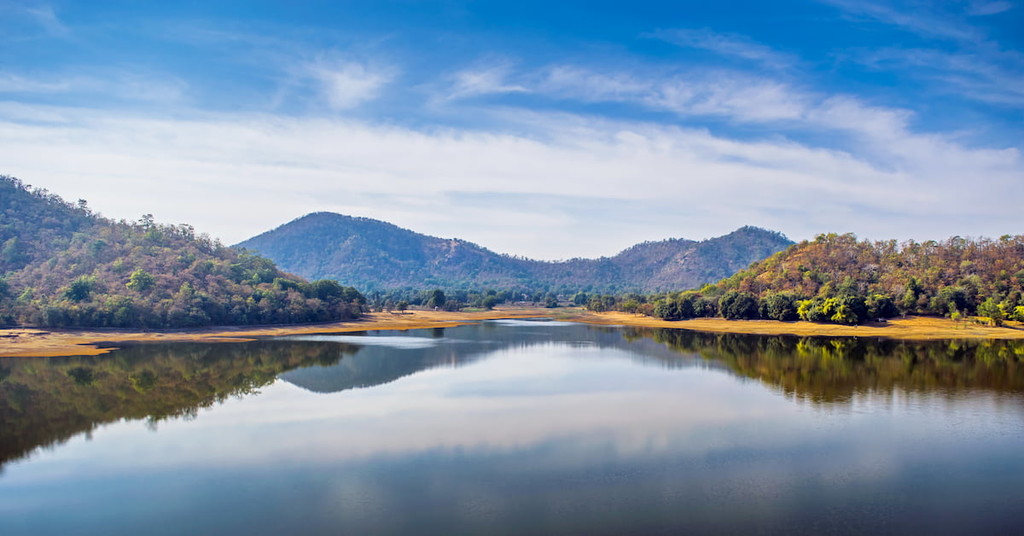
(754, 230)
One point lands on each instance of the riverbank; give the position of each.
(27, 342)
(53, 343)
(910, 328)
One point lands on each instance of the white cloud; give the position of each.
(609, 183)
(485, 80)
(580, 83)
(726, 44)
(348, 84)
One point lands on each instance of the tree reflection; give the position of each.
(47, 401)
(833, 370)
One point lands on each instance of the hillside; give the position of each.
(62, 265)
(836, 278)
(372, 254)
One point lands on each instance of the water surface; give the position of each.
(513, 427)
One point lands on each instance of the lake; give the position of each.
(517, 427)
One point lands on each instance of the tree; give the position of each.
(991, 310)
(80, 288)
(738, 305)
(436, 299)
(666, 310)
(779, 306)
(844, 315)
(140, 280)
(1018, 313)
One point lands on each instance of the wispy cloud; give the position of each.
(735, 96)
(46, 17)
(921, 20)
(120, 84)
(993, 78)
(348, 84)
(488, 78)
(725, 44)
(970, 64)
(982, 8)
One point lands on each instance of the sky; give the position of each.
(549, 130)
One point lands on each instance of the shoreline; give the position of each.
(912, 328)
(31, 342)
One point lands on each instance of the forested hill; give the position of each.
(372, 254)
(836, 278)
(62, 265)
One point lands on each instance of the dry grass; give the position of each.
(911, 328)
(52, 343)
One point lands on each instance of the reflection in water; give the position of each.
(48, 400)
(834, 369)
(43, 401)
(517, 428)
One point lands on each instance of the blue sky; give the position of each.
(545, 129)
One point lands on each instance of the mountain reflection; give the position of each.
(48, 401)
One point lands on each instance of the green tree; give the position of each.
(779, 306)
(80, 289)
(436, 299)
(1018, 313)
(141, 281)
(738, 305)
(991, 310)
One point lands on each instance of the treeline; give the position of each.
(458, 299)
(63, 266)
(838, 279)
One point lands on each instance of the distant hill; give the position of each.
(62, 265)
(372, 254)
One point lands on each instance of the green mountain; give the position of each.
(62, 265)
(372, 254)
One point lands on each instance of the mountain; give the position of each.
(372, 254)
(63, 266)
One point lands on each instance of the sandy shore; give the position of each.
(53, 343)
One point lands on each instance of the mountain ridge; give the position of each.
(375, 254)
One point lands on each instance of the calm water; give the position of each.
(515, 427)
